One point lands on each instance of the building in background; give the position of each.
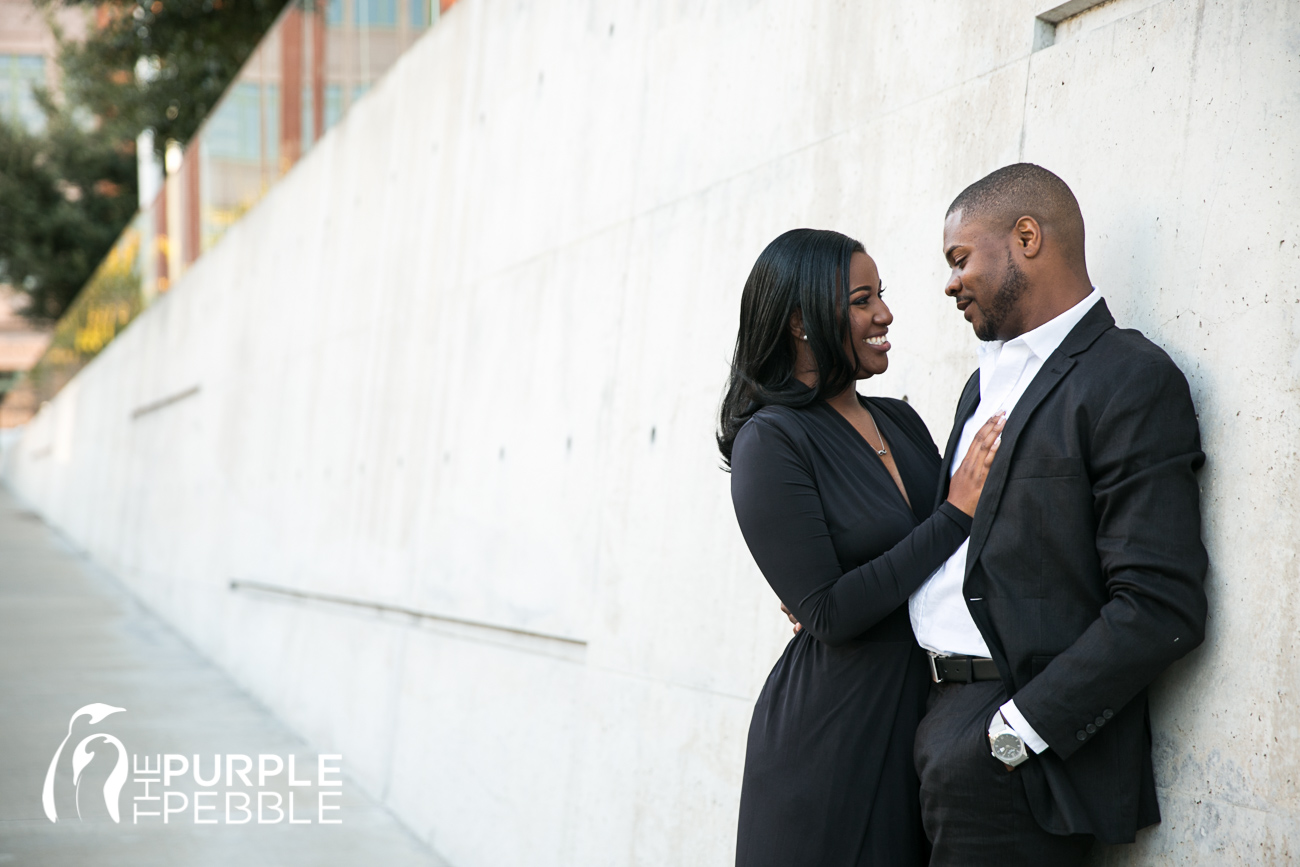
(28, 59)
(309, 70)
(313, 65)
(21, 344)
(29, 55)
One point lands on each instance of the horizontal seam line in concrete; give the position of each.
(263, 587)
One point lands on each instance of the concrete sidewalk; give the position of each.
(71, 636)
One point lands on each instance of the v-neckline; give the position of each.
(878, 458)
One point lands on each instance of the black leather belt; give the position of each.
(962, 669)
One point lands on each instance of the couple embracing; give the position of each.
(975, 632)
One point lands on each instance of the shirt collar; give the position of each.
(1043, 340)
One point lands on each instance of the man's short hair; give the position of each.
(1025, 190)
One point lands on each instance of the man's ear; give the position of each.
(1028, 236)
(796, 325)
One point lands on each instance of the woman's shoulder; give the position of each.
(900, 410)
(773, 427)
(779, 416)
(904, 415)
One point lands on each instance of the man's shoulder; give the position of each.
(1125, 367)
(1133, 342)
(1128, 350)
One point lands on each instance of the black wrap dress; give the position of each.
(829, 779)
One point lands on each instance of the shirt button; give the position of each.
(1090, 728)
(1100, 721)
(1108, 713)
(1081, 735)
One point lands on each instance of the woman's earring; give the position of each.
(803, 337)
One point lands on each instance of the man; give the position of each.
(1082, 577)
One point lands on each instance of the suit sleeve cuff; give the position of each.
(1017, 721)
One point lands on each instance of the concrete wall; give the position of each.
(465, 360)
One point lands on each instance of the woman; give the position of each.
(834, 493)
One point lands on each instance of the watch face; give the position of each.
(1008, 747)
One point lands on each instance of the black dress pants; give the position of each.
(974, 809)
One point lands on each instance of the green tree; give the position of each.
(163, 64)
(67, 192)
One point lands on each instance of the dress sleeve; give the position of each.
(780, 514)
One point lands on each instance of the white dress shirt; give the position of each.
(940, 618)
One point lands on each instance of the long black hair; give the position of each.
(805, 270)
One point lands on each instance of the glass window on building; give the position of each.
(374, 13)
(419, 14)
(333, 104)
(334, 13)
(246, 126)
(234, 132)
(19, 74)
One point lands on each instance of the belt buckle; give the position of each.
(934, 671)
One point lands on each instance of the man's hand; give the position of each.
(797, 625)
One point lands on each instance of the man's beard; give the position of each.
(1004, 302)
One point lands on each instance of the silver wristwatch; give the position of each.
(1008, 747)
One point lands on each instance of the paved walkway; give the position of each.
(71, 636)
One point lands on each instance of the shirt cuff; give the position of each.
(1021, 726)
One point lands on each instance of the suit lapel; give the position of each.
(1058, 364)
(970, 398)
(1043, 383)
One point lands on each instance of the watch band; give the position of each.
(1005, 743)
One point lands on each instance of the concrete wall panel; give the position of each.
(465, 360)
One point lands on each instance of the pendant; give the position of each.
(882, 452)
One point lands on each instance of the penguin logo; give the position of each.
(81, 757)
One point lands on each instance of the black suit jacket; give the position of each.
(1085, 570)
